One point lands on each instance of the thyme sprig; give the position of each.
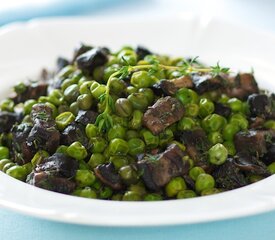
(104, 120)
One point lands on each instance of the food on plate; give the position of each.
(135, 125)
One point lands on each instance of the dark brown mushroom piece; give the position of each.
(59, 164)
(142, 52)
(22, 152)
(253, 141)
(80, 49)
(74, 132)
(61, 63)
(222, 110)
(260, 105)
(55, 174)
(206, 83)
(197, 144)
(228, 176)
(44, 136)
(86, 117)
(256, 123)
(108, 175)
(158, 170)
(7, 120)
(163, 114)
(48, 181)
(88, 61)
(33, 91)
(41, 112)
(171, 86)
(269, 157)
(250, 164)
(241, 86)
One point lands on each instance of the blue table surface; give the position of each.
(260, 14)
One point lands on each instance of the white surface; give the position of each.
(25, 48)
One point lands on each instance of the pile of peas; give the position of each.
(127, 138)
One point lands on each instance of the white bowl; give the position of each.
(26, 48)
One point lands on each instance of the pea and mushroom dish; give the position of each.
(134, 125)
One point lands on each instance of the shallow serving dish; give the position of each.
(26, 48)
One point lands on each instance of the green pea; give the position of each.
(63, 108)
(204, 181)
(43, 99)
(195, 172)
(116, 131)
(3, 162)
(215, 137)
(123, 107)
(138, 188)
(152, 197)
(186, 123)
(235, 104)
(191, 110)
(77, 150)
(20, 87)
(206, 107)
(4, 152)
(120, 121)
(186, 95)
(271, 168)
(83, 165)
(229, 131)
(7, 105)
(84, 178)
(54, 109)
(136, 121)
(39, 157)
(84, 88)
(17, 172)
(62, 149)
(118, 146)
(86, 192)
(136, 146)
(270, 124)
(223, 99)
(71, 93)
(174, 186)
(96, 159)
(141, 79)
(119, 161)
(230, 147)
(117, 197)
(130, 90)
(151, 141)
(132, 134)
(239, 120)
(108, 71)
(74, 108)
(98, 91)
(28, 167)
(148, 93)
(127, 57)
(98, 144)
(213, 123)
(91, 130)
(128, 174)
(105, 192)
(117, 86)
(8, 166)
(64, 119)
(217, 154)
(210, 191)
(131, 196)
(255, 178)
(166, 137)
(186, 194)
(85, 101)
(66, 71)
(55, 97)
(139, 101)
(82, 80)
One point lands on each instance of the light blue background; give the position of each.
(253, 13)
